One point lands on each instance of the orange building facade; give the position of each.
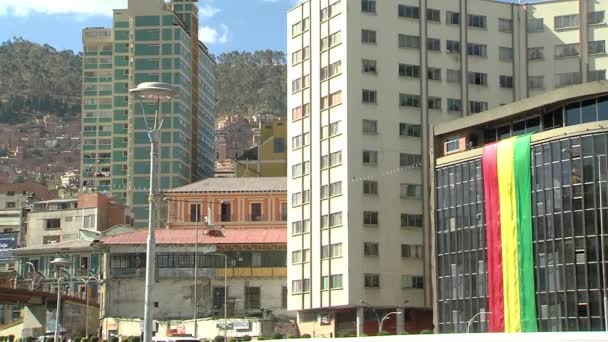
(229, 203)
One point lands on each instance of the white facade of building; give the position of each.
(366, 80)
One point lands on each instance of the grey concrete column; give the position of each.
(360, 320)
(400, 320)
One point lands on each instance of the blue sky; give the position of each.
(226, 25)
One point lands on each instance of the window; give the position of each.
(411, 220)
(597, 46)
(433, 15)
(370, 157)
(299, 27)
(408, 70)
(452, 46)
(252, 298)
(596, 75)
(370, 187)
(330, 11)
(336, 281)
(283, 297)
(478, 78)
(69, 219)
(225, 215)
(333, 189)
(283, 211)
(536, 82)
(331, 220)
(434, 102)
(300, 286)
(49, 239)
(566, 50)
(10, 205)
(411, 12)
(479, 50)
(331, 251)
(412, 282)
(368, 36)
(412, 251)
(505, 54)
(300, 227)
(410, 160)
(407, 100)
(478, 21)
(331, 40)
(372, 280)
(300, 55)
(279, 145)
(331, 70)
(565, 21)
(368, 6)
(369, 96)
(536, 25)
(453, 76)
(300, 141)
(300, 83)
(195, 213)
(333, 99)
(452, 18)
(370, 249)
(477, 106)
(369, 66)
(330, 130)
(455, 105)
(568, 78)
(596, 17)
(370, 126)
(256, 211)
(10, 193)
(52, 224)
(409, 130)
(335, 158)
(300, 112)
(506, 81)
(408, 191)
(370, 218)
(536, 53)
(433, 74)
(407, 41)
(300, 256)
(433, 44)
(505, 25)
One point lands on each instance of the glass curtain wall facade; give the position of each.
(569, 195)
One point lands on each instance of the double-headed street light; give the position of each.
(152, 92)
(59, 264)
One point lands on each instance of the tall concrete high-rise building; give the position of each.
(367, 79)
(149, 41)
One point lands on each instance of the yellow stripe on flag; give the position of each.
(508, 225)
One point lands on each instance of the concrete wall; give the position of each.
(71, 221)
(207, 328)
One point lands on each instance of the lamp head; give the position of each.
(154, 91)
(59, 261)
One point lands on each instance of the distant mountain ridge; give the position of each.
(37, 78)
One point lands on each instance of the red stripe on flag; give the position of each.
(494, 243)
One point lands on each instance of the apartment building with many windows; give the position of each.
(149, 41)
(366, 80)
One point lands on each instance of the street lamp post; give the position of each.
(31, 265)
(155, 92)
(225, 290)
(375, 313)
(396, 313)
(86, 281)
(58, 263)
(473, 319)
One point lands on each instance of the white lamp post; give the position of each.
(396, 313)
(58, 263)
(473, 319)
(154, 92)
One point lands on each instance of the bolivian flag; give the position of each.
(508, 206)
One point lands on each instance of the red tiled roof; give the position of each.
(188, 236)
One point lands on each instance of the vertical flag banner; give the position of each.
(508, 207)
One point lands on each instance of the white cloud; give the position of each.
(207, 11)
(210, 35)
(78, 7)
